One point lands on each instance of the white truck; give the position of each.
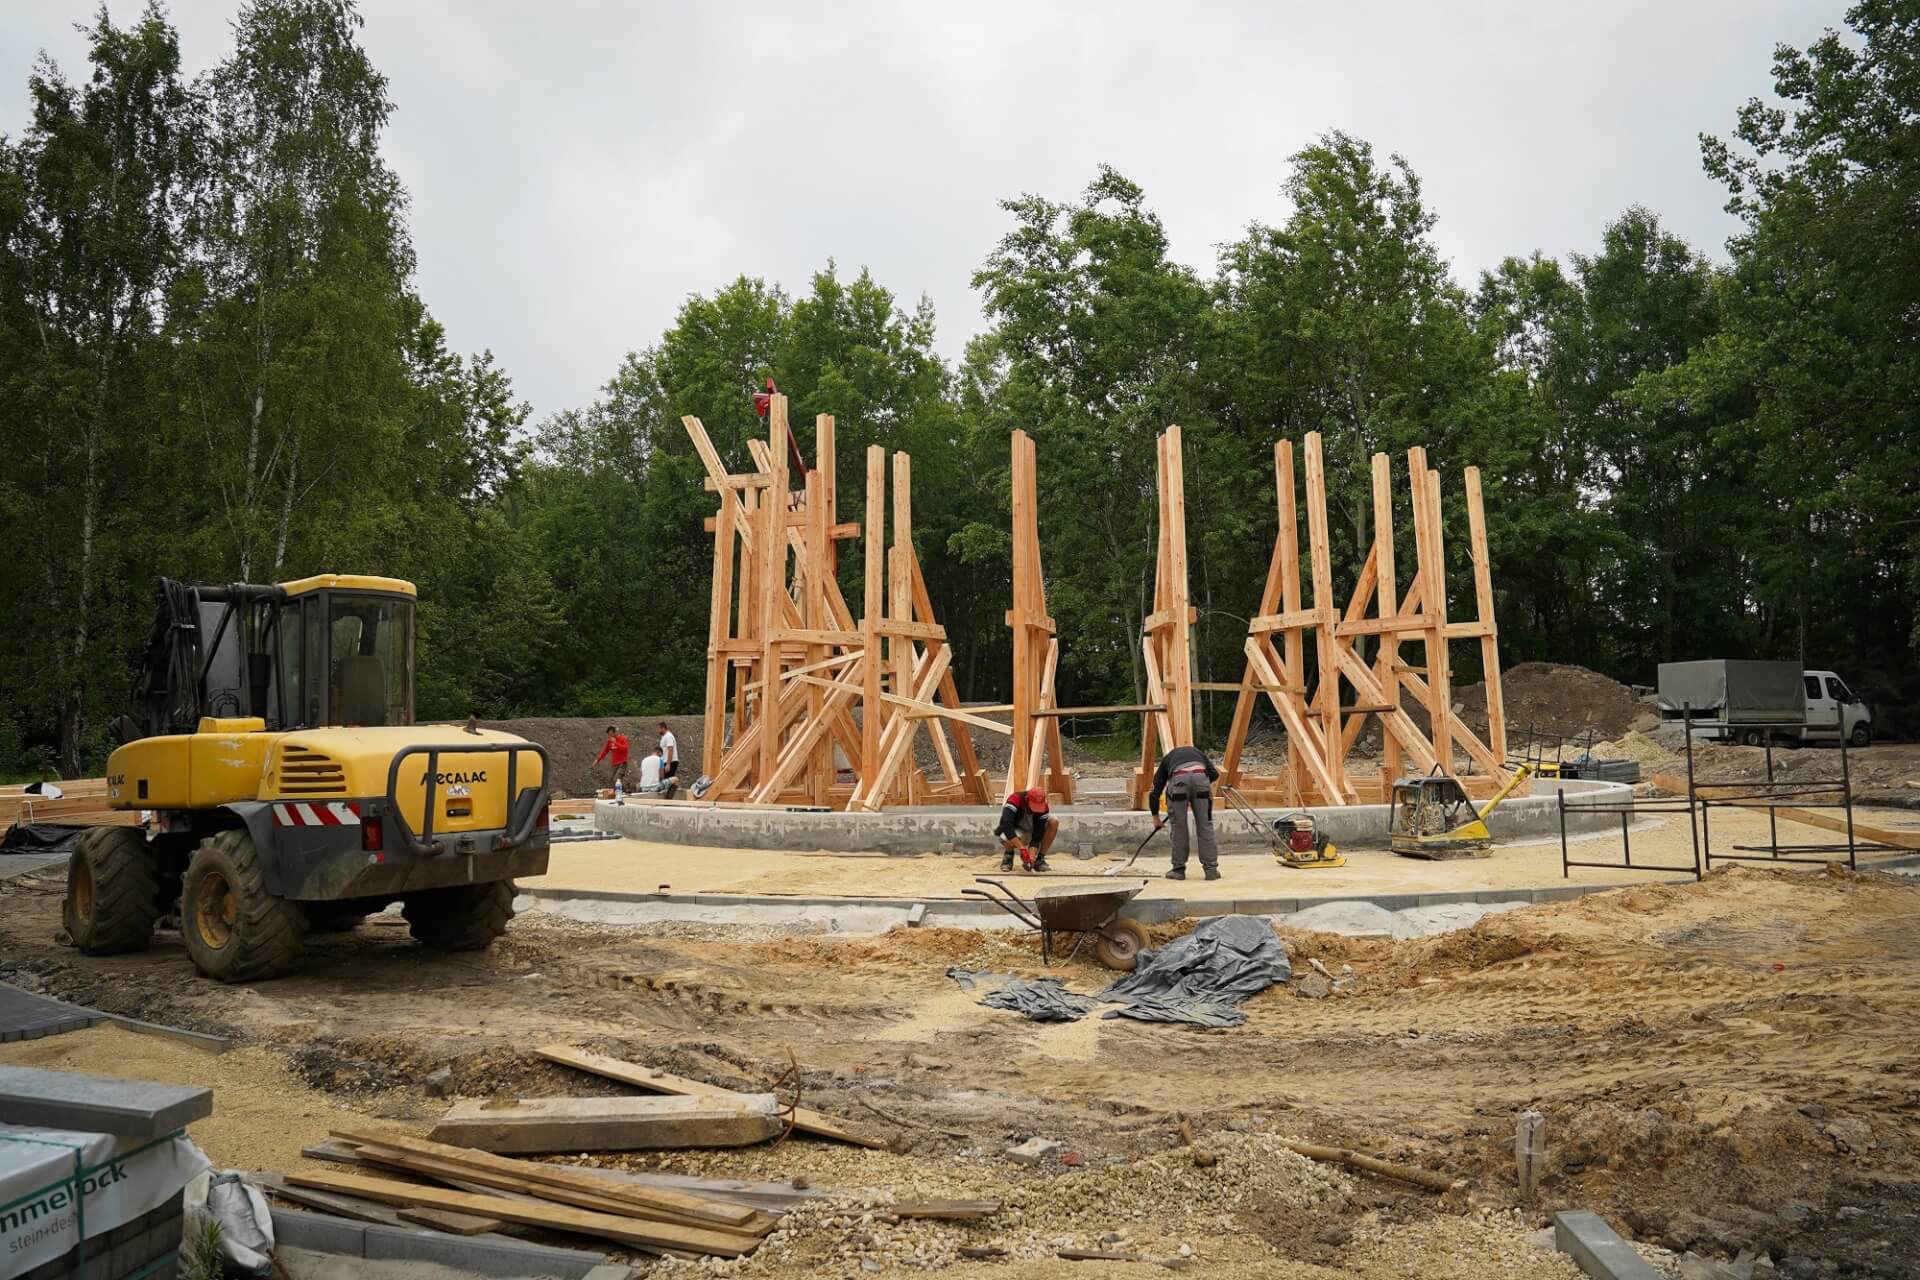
(1755, 702)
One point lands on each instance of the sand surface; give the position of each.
(639, 866)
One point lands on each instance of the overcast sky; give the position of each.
(577, 169)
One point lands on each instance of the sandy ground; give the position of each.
(1723, 1065)
(638, 866)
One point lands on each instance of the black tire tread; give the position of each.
(270, 931)
(467, 917)
(126, 892)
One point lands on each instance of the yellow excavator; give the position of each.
(285, 788)
(1434, 818)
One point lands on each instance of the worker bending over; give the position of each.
(1026, 811)
(1186, 777)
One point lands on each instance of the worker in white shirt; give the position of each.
(669, 752)
(650, 774)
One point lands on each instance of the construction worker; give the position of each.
(614, 752)
(669, 752)
(1027, 811)
(1186, 777)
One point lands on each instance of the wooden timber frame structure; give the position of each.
(787, 662)
(1321, 728)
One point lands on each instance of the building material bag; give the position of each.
(60, 1188)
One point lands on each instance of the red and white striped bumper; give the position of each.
(319, 813)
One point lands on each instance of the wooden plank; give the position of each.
(527, 1173)
(1177, 673)
(1025, 675)
(1321, 557)
(925, 710)
(719, 631)
(816, 635)
(454, 1224)
(1294, 653)
(533, 1125)
(1122, 708)
(634, 1231)
(1303, 748)
(770, 574)
(805, 1119)
(944, 1210)
(1864, 833)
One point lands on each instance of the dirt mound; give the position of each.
(1554, 698)
(573, 741)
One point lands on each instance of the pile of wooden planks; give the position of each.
(482, 1190)
(82, 803)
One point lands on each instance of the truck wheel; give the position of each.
(1861, 736)
(467, 918)
(1752, 738)
(113, 892)
(322, 920)
(235, 930)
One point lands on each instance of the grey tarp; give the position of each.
(1196, 980)
(1222, 962)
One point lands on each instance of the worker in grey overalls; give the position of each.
(1186, 777)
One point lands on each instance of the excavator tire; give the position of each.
(234, 929)
(465, 918)
(113, 892)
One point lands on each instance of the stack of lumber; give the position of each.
(488, 1190)
(805, 1119)
(83, 803)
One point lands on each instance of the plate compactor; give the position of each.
(1295, 838)
(1434, 818)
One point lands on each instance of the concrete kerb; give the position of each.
(1597, 1248)
(319, 1233)
(968, 830)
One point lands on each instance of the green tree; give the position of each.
(90, 201)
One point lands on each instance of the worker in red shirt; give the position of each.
(615, 747)
(1025, 813)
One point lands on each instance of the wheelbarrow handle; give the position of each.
(1013, 908)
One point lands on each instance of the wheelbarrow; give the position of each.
(1086, 910)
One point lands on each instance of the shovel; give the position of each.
(1118, 867)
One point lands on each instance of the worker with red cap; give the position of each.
(1026, 812)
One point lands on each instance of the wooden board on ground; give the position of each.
(945, 1210)
(526, 1173)
(805, 1119)
(606, 1226)
(456, 1224)
(775, 1196)
(533, 1125)
(1862, 833)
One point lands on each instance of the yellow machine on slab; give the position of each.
(1433, 817)
(289, 789)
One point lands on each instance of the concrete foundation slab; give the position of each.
(966, 829)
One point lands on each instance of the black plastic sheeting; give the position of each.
(1195, 981)
(39, 837)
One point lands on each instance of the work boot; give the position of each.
(1040, 863)
(1006, 863)
(1178, 873)
(1213, 873)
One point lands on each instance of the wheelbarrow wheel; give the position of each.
(1120, 944)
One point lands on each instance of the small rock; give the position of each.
(1312, 987)
(1850, 1134)
(440, 1083)
(1346, 971)
(1795, 1213)
(1032, 1151)
(1848, 1212)
(1204, 1159)
(1541, 1239)
(1333, 1237)
(1186, 1251)
(1112, 1237)
(1319, 968)
(868, 1264)
(1071, 1159)
(800, 1182)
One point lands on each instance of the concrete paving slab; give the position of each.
(320, 1233)
(25, 1016)
(96, 1104)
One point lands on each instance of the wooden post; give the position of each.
(1490, 633)
(820, 771)
(772, 582)
(719, 631)
(1178, 670)
(1296, 643)
(1325, 636)
(1387, 591)
(900, 592)
(1020, 618)
(872, 708)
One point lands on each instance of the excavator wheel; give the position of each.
(234, 929)
(1120, 944)
(466, 918)
(113, 892)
